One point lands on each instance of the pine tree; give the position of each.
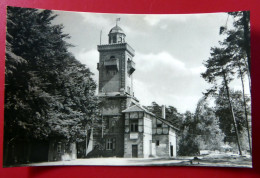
(219, 67)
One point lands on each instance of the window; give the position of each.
(110, 143)
(134, 125)
(157, 142)
(159, 125)
(120, 40)
(114, 39)
(59, 147)
(108, 124)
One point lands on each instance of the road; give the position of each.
(182, 161)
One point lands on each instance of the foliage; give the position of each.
(208, 126)
(224, 62)
(171, 113)
(223, 113)
(48, 93)
(200, 131)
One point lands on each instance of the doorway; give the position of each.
(134, 151)
(171, 150)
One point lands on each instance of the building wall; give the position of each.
(105, 77)
(113, 128)
(147, 138)
(113, 81)
(134, 138)
(163, 149)
(129, 142)
(173, 141)
(128, 78)
(111, 106)
(110, 127)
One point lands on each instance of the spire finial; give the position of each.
(117, 19)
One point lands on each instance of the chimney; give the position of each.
(163, 112)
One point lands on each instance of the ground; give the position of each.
(215, 160)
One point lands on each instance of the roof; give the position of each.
(116, 29)
(168, 123)
(138, 108)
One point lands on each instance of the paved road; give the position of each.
(149, 162)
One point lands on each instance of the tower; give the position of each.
(115, 91)
(116, 64)
(126, 129)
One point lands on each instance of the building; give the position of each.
(127, 129)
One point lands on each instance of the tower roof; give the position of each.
(116, 29)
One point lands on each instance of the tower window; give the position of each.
(120, 40)
(114, 39)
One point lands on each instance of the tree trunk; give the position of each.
(232, 113)
(248, 75)
(247, 38)
(244, 101)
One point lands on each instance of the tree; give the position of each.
(155, 109)
(189, 143)
(223, 113)
(200, 130)
(238, 44)
(174, 116)
(208, 126)
(218, 66)
(241, 34)
(48, 93)
(171, 113)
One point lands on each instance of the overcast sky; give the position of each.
(170, 50)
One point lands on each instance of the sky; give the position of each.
(169, 51)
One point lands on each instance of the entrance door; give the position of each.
(171, 150)
(134, 151)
